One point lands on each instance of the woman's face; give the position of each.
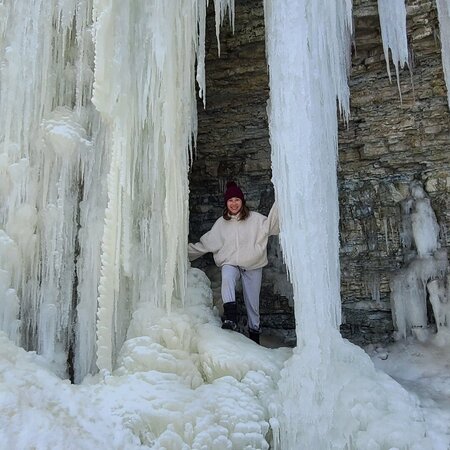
(234, 205)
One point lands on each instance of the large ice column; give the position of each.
(331, 395)
(145, 89)
(150, 109)
(393, 32)
(23, 41)
(443, 7)
(307, 45)
(308, 62)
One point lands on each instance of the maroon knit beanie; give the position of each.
(233, 190)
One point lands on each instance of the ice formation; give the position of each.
(438, 290)
(393, 32)
(93, 166)
(180, 383)
(331, 395)
(94, 200)
(99, 113)
(45, 148)
(424, 273)
(443, 7)
(151, 127)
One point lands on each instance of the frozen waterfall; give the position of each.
(99, 117)
(94, 192)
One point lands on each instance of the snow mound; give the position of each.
(183, 383)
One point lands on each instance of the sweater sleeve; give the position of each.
(209, 242)
(273, 222)
(196, 250)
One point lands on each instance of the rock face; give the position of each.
(387, 144)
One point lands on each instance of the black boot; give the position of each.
(230, 316)
(253, 335)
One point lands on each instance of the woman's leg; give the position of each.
(230, 275)
(251, 285)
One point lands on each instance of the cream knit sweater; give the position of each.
(238, 243)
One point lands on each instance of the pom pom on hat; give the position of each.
(233, 190)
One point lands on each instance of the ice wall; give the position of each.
(331, 395)
(443, 7)
(99, 115)
(46, 147)
(151, 112)
(393, 32)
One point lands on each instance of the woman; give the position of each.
(238, 242)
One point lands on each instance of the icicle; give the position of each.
(393, 32)
(201, 51)
(408, 302)
(109, 280)
(443, 7)
(425, 228)
(94, 167)
(373, 286)
(221, 7)
(9, 303)
(63, 141)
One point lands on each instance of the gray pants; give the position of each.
(251, 286)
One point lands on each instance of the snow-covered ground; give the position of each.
(181, 382)
(150, 406)
(423, 369)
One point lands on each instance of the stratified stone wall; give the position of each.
(386, 144)
(233, 144)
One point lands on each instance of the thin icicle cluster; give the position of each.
(393, 32)
(331, 396)
(443, 7)
(221, 8)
